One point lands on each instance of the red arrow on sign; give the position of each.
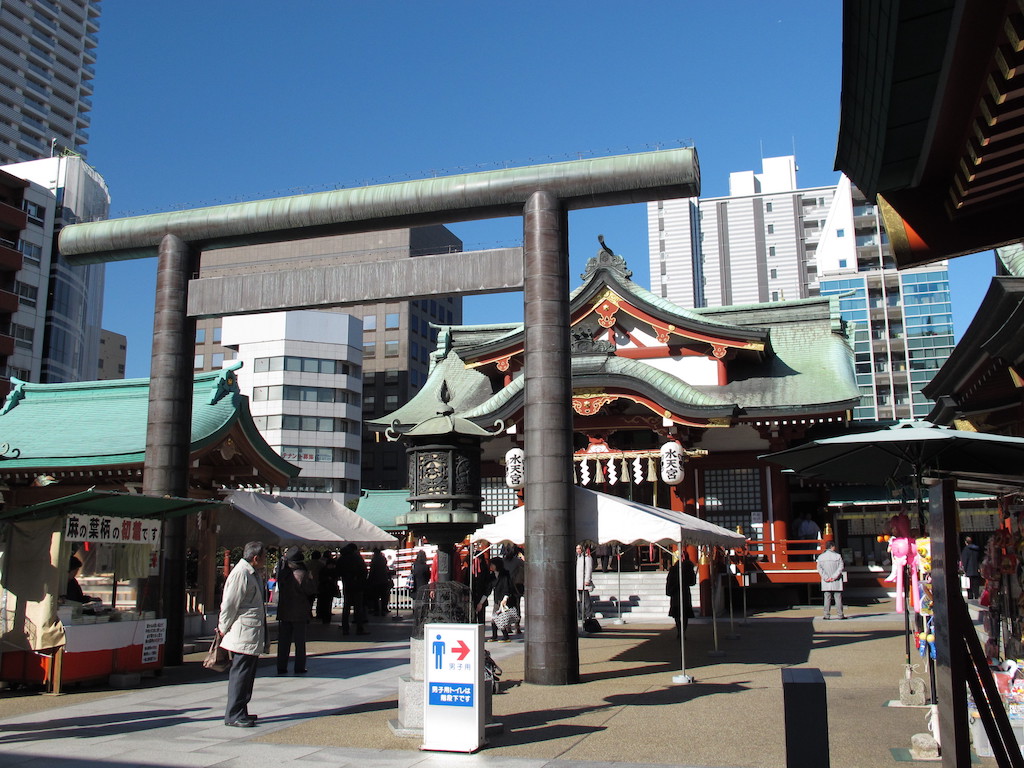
(461, 649)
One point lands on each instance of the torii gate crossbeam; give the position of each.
(543, 194)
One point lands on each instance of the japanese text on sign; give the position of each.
(451, 694)
(99, 529)
(156, 634)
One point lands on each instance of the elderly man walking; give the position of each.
(831, 568)
(243, 627)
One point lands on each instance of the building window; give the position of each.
(840, 233)
(197, 363)
(768, 207)
(391, 376)
(217, 360)
(200, 335)
(773, 273)
(303, 394)
(390, 349)
(771, 229)
(27, 294)
(391, 321)
(775, 295)
(842, 263)
(369, 322)
(369, 350)
(24, 336)
(216, 335)
(771, 250)
(36, 212)
(33, 253)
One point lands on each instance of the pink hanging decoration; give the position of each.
(904, 556)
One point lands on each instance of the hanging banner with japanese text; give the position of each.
(100, 529)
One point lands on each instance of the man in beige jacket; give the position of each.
(243, 629)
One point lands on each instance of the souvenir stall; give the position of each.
(1001, 616)
(48, 637)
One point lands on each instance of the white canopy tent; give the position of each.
(602, 518)
(287, 520)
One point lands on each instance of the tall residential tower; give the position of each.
(769, 240)
(47, 63)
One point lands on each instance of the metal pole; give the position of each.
(714, 612)
(618, 579)
(682, 677)
(169, 426)
(552, 644)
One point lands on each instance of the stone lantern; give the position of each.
(444, 479)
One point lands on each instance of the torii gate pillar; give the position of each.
(169, 427)
(552, 650)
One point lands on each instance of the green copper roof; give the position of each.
(382, 507)
(1012, 257)
(102, 423)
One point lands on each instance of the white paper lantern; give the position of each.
(672, 463)
(515, 468)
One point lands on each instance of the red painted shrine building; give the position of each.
(728, 383)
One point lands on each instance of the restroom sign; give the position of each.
(453, 679)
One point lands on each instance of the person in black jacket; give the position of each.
(73, 591)
(295, 587)
(970, 562)
(506, 598)
(352, 570)
(680, 593)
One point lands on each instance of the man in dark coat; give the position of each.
(295, 587)
(352, 570)
(970, 561)
(679, 592)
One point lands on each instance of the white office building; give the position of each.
(302, 372)
(47, 63)
(769, 240)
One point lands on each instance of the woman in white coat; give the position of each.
(243, 629)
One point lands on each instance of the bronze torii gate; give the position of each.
(542, 194)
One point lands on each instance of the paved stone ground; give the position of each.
(626, 710)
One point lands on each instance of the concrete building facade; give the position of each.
(302, 373)
(770, 240)
(397, 336)
(47, 63)
(113, 355)
(53, 310)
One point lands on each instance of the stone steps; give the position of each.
(641, 595)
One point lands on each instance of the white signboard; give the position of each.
(155, 635)
(453, 679)
(102, 529)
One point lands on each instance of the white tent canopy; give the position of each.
(287, 520)
(603, 518)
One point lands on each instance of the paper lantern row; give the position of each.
(612, 470)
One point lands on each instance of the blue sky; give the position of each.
(202, 103)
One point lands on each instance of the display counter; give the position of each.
(94, 650)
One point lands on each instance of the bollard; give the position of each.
(806, 717)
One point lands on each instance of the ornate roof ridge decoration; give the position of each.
(607, 259)
(584, 341)
(226, 383)
(15, 396)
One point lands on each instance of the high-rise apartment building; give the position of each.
(397, 336)
(47, 62)
(50, 312)
(769, 240)
(302, 373)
